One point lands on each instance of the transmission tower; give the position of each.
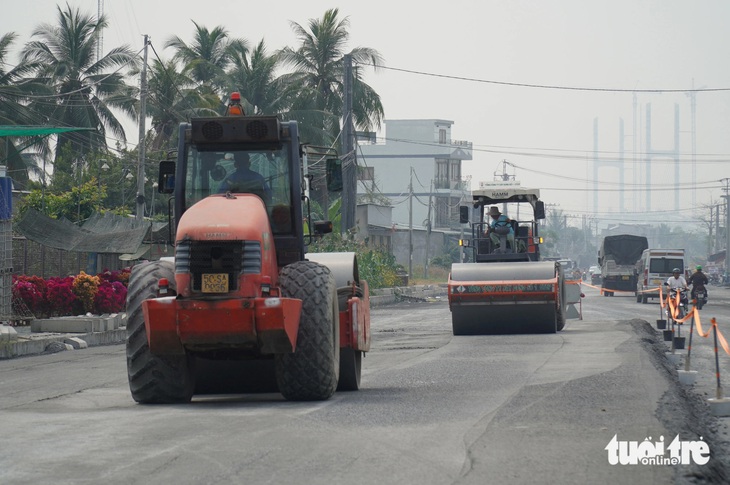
(617, 163)
(652, 153)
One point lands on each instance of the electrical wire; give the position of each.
(544, 86)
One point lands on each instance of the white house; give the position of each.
(416, 157)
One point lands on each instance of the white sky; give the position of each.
(616, 44)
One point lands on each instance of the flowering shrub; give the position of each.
(61, 298)
(122, 276)
(110, 297)
(73, 295)
(85, 287)
(30, 289)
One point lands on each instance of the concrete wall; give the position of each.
(400, 246)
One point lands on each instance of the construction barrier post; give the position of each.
(717, 360)
(661, 323)
(689, 344)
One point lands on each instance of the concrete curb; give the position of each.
(54, 335)
(39, 343)
(387, 296)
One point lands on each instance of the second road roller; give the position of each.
(506, 289)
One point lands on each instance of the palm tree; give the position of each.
(318, 65)
(253, 75)
(85, 88)
(172, 98)
(207, 58)
(15, 91)
(319, 71)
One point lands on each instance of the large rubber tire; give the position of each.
(153, 379)
(311, 372)
(561, 309)
(460, 327)
(350, 359)
(350, 369)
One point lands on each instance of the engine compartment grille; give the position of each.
(231, 257)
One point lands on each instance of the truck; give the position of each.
(507, 289)
(617, 258)
(653, 268)
(241, 285)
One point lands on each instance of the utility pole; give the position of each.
(100, 42)
(410, 226)
(727, 225)
(717, 228)
(349, 165)
(505, 177)
(710, 240)
(141, 144)
(428, 230)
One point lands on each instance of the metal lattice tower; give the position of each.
(652, 153)
(617, 163)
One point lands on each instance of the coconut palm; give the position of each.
(21, 155)
(172, 98)
(318, 64)
(252, 73)
(207, 57)
(85, 88)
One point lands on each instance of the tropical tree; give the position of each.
(85, 89)
(253, 74)
(205, 60)
(318, 64)
(319, 73)
(15, 91)
(173, 98)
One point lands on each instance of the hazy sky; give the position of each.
(473, 45)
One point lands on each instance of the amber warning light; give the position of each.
(234, 105)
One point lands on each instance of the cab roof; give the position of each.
(499, 193)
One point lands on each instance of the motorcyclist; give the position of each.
(677, 282)
(698, 280)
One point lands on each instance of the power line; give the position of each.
(544, 86)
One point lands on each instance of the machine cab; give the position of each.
(225, 156)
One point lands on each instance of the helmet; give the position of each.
(676, 270)
(699, 267)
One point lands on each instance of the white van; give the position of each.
(653, 269)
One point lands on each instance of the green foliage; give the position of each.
(76, 205)
(375, 266)
(450, 254)
(443, 261)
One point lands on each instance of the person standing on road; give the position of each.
(698, 280)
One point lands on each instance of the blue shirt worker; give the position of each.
(245, 180)
(500, 220)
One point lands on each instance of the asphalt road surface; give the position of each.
(433, 409)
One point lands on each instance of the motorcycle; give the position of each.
(700, 297)
(683, 302)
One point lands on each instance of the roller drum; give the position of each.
(505, 298)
